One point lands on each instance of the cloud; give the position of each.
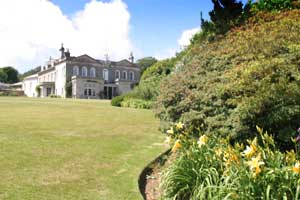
(182, 42)
(186, 36)
(31, 31)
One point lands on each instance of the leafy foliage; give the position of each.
(210, 168)
(145, 63)
(136, 103)
(116, 101)
(248, 77)
(276, 5)
(9, 75)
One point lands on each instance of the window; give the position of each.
(84, 71)
(124, 75)
(105, 74)
(75, 71)
(131, 76)
(117, 74)
(93, 72)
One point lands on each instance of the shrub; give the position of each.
(275, 5)
(211, 168)
(38, 91)
(136, 103)
(54, 96)
(248, 77)
(116, 101)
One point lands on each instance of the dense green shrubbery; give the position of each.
(147, 91)
(275, 5)
(137, 103)
(54, 96)
(116, 101)
(249, 77)
(212, 168)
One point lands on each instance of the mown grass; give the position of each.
(73, 149)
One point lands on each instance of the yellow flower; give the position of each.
(170, 131)
(179, 125)
(202, 140)
(290, 156)
(218, 152)
(250, 150)
(296, 168)
(255, 164)
(176, 146)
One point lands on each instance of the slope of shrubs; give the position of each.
(246, 78)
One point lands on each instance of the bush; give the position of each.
(54, 96)
(212, 168)
(137, 103)
(249, 77)
(116, 101)
(275, 5)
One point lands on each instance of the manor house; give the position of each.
(83, 77)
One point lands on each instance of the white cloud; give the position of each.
(186, 36)
(182, 42)
(32, 30)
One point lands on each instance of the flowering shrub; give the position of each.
(211, 168)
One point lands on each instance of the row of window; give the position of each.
(84, 73)
(51, 77)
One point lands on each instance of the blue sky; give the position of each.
(155, 25)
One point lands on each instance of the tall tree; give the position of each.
(3, 76)
(225, 15)
(12, 74)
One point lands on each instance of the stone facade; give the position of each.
(87, 77)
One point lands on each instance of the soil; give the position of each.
(152, 189)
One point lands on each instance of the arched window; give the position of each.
(75, 71)
(124, 75)
(84, 71)
(117, 74)
(131, 76)
(93, 72)
(105, 74)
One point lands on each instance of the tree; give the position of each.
(12, 75)
(225, 15)
(146, 62)
(3, 76)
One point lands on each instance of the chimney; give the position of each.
(62, 50)
(68, 54)
(131, 58)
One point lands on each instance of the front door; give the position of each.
(48, 91)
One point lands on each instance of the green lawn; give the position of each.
(73, 149)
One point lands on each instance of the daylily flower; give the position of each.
(170, 131)
(179, 125)
(250, 150)
(255, 164)
(296, 168)
(176, 146)
(202, 140)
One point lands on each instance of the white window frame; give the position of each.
(93, 72)
(117, 74)
(84, 72)
(124, 78)
(105, 75)
(131, 78)
(75, 71)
